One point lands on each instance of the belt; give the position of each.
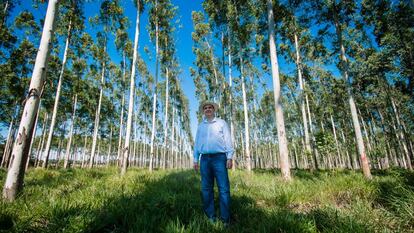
(213, 154)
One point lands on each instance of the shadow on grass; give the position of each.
(173, 204)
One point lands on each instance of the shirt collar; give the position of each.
(206, 121)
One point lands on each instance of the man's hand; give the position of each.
(195, 165)
(229, 164)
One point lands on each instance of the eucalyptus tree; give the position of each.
(161, 14)
(110, 15)
(281, 132)
(126, 149)
(72, 17)
(14, 181)
(339, 16)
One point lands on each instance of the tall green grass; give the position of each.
(99, 200)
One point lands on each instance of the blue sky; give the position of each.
(183, 40)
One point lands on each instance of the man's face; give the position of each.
(209, 110)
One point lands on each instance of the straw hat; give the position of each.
(208, 103)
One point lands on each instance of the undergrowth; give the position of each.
(100, 200)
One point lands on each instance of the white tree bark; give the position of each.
(34, 134)
(126, 149)
(231, 101)
(57, 97)
(357, 127)
(400, 132)
(15, 175)
(281, 132)
(301, 94)
(121, 121)
(67, 154)
(166, 119)
(7, 146)
(154, 105)
(246, 121)
(98, 113)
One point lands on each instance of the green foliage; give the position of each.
(325, 142)
(99, 200)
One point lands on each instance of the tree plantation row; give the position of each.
(303, 84)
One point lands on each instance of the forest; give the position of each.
(97, 116)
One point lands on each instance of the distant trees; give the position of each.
(339, 95)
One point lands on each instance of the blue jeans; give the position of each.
(212, 167)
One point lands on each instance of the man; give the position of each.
(214, 147)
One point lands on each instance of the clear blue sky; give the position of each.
(183, 40)
(184, 43)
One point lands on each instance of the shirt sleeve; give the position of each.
(196, 153)
(228, 141)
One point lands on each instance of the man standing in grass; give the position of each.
(214, 147)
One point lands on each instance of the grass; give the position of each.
(99, 200)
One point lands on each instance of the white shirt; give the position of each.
(213, 137)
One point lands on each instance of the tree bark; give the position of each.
(67, 154)
(357, 128)
(154, 105)
(15, 175)
(131, 97)
(98, 113)
(246, 120)
(57, 97)
(281, 132)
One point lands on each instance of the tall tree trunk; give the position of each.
(400, 132)
(97, 116)
(15, 175)
(7, 147)
(281, 132)
(109, 149)
(57, 97)
(165, 118)
(154, 99)
(41, 142)
(301, 94)
(84, 152)
(34, 134)
(65, 165)
(246, 121)
(121, 121)
(357, 128)
(131, 97)
(231, 100)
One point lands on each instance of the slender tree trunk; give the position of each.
(231, 100)
(121, 121)
(131, 97)
(7, 147)
(84, 152)
(246, 121)
(281, 132)
(154, 105)
(57, 98)
(65, 165)
(172, 138)
(301, 90)
(357, 128)
(97, 116)
(165, 118)
(34, 134)
(15, 175)
(41, 142)
(109, 148)
(400, 132)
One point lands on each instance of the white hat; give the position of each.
(208, 103)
